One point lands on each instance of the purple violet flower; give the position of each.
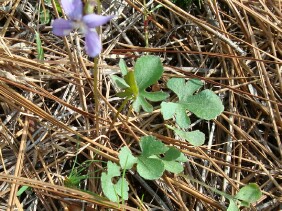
(86, 23)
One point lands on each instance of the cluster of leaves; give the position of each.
(77, 174)
(154, 159)
(147, 71)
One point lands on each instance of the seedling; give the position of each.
(154, 159)
(147, 71)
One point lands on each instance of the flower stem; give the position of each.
(89, 8)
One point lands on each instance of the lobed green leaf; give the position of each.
(126, 159)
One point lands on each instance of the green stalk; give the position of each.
(89, 8)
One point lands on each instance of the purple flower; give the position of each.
(86, 23)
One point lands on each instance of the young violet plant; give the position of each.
(147, 71)
(86, 23)
(154, 159)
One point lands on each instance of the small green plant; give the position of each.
(155, 156)
(154, 159)
(77, 174)
(248, 194)
(147, 71)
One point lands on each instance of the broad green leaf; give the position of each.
(150, 146)
(123, 67)
(150, 168)
(126, 159)
(182, 89)
(232, 206)
(249, 194)
(121, 188)
(196, 138)
(147, 70)
(40, 51)
(169, 109)
(205, 105)
(154, 96)
(108, 187)
(120, 82)
(173, 166)
(171, 154)
(22, 190)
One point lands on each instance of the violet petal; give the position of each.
(92, 43)
(93, 20)
(62, 27)
(73, 8)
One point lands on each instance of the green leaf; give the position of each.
(120, 82)
(249, 194)
(109, 189)
(123, 67)
(196, 138)
(181, 118)
(182, 89)
(154, 96)
(131, 81)
(141, 102)
(150, 168)
(182, 158)
(232, 206)
(122, 188)
(126, 159)
(40, 51)
(171, 154)
(147, 70)
(206, 105)
(157, 157)
(22, 190)
(173, 166)
(150, 146)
